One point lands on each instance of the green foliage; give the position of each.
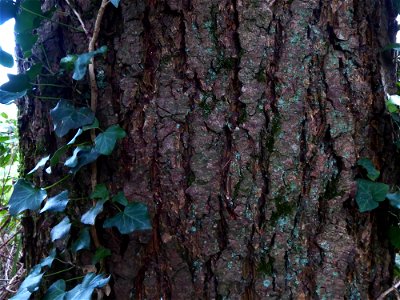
(115, 2)
(367, 164)
(8, 9)
(30, 284)
(105, 142)
(369, 194)
(61, 230)
(101, 253)
(6, 59)
(120, 198)
(90, 216)
(134, 217)
(83, 241)
(40, 164)
(394, 236)
(100, 192)
(66, 117)
(25, 196)
(48, 261)
(82, 156)
(9, 97)
(57, 203)
(56, 291)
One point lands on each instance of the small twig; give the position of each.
(388, 291)
(10, 239)
(79, 17)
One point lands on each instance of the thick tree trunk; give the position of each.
(245, 120)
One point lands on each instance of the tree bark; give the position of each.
(245, 120)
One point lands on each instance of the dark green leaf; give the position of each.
(6, 59)
(78, 133)
(68, 62)
(57, 155)
(8, 10)
(91, 126)
(30, 284)
(56, 291)
(82, 62)
(66, 117)
(100, 254)
(394, 46)
(90, 216)
(81, 157)
(8, 97)
(48, 261)
(369, 194)
(16, 84)
(134, 217)
(115, 2)
(61, 230)
(25, 196)
(40, 164)
(105, 142)
(394, 236)
(85, 290)
(56, 203)
(34, 71)
(100, 192)
(394, 199)
(26, 41)
(120, 198)
(22, 295)
(367, 164)
(83, 241)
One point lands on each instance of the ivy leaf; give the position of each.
(81, 157)
(115, 3)
(34, 71)
(134, 217)
(56, 203)
(61, 230)
(83, 241)
(120, 198)
(56, 291)
(100, 192)
(100, 254)
(48, 261)
(78, 133)
(94, 125)
(9, 97)
(40, 164)
(82, 61)
(16, 84)
(6, 59)
(8, 10)
(30, 284)
(66, 117)
(367, 164)
(105, 142)
(394, 199)
(394, 236)
(369, 194)
(85, 290)
(57, 155)
(394, 46)
(90, 216)
(67, 63)
(25, 196)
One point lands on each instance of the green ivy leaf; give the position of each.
(48, 261)
(115, 3)
(394, 236)
(105, 142)
(369, 194)
(81, 157)
(83, 241)
(26, 41)
(40, 164)
(82, 61)
(56, 203)
(61, 230)
(394, 199)
(100, 254)
(34, 71)
(367, 164)
(394, 46)
(30, 284)
(9, 97)
(90, 216)
(67, 63)
(120, 198)
(56, 291)
(85, 290)
(16, 84)
(134, 217)
(66, 117)
(8, 10)
(25, 196)
(100, 192)
(94, 125)
(57, 155)
(6, 59)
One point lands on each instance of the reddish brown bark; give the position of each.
(245, 120)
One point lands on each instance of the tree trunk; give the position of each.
(244, 121)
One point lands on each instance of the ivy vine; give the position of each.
(66, 117)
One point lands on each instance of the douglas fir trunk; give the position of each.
(244, 121)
